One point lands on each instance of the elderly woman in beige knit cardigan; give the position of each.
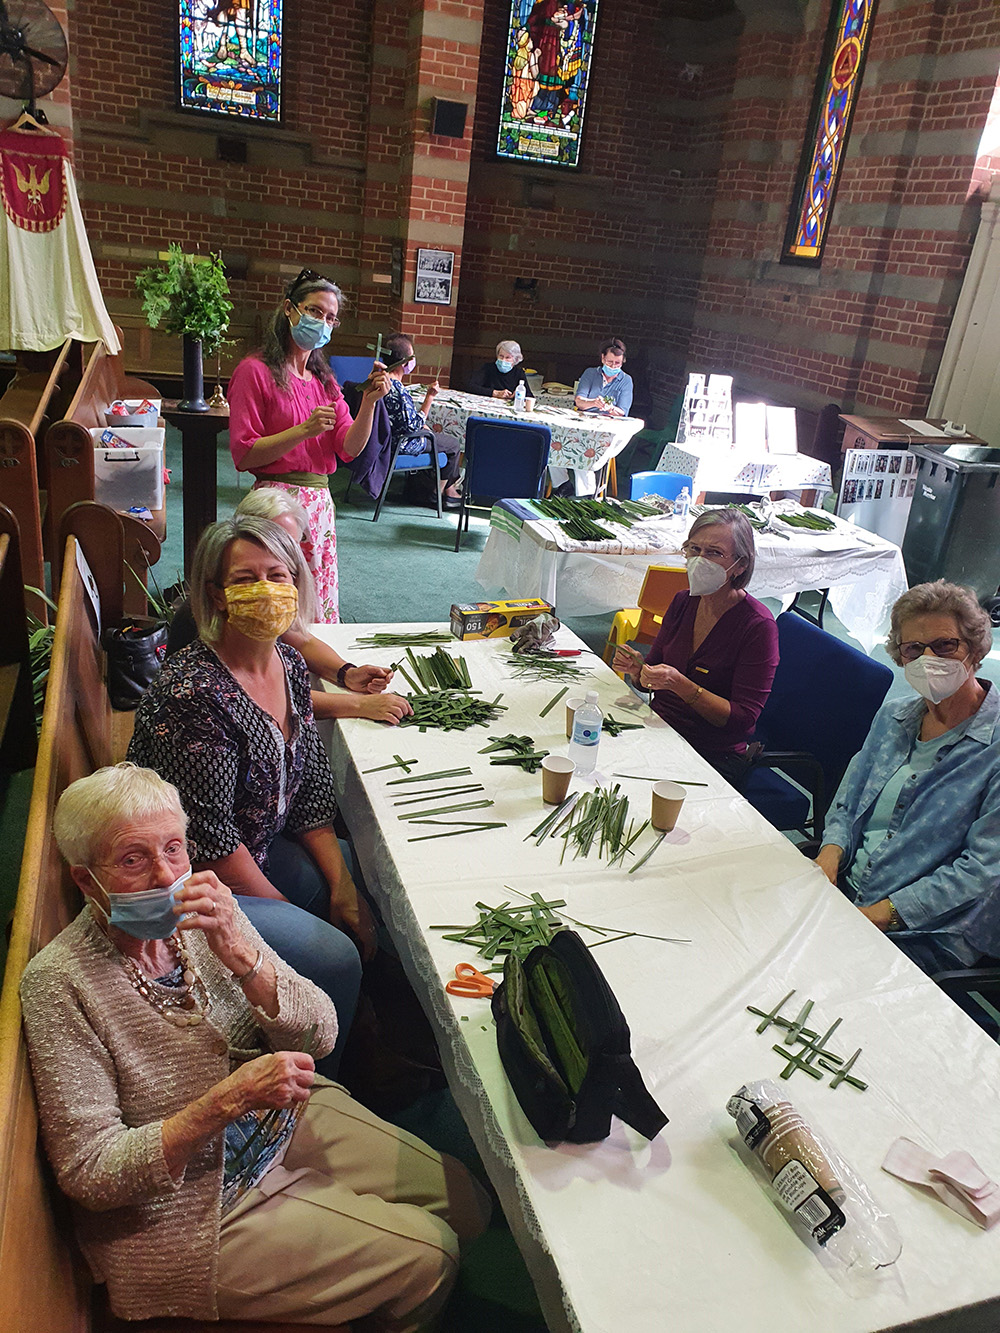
(213, 1173)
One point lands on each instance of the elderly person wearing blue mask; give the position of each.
(213, 1175)
(913, 834)
(606, 389)
(500, 378)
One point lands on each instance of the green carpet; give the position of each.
(402, 568)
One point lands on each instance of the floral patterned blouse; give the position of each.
(239, 780)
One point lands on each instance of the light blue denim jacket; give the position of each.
(941, 852)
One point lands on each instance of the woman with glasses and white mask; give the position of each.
(289, 424)
(712, 664)
(913, 835)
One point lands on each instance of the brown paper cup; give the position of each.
(571, 706)
(556, 773)
(668, 797)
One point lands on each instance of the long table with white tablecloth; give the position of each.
(864, 572)
(676, 1234)
(583, 441)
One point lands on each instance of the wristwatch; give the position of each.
(896, 922)
(348, 666)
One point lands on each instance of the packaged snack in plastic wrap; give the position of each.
(112, 441)
(842, 1224)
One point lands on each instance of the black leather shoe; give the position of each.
(451, 502)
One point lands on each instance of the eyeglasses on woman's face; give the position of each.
(910, 651)
(709, 550)
(332, 322)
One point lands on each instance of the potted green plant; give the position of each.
(189, 295)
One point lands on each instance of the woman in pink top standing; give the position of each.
(289, 424)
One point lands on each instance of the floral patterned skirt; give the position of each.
(320, 549)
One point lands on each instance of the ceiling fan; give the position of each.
(33, 53)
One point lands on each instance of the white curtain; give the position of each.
(967, 389)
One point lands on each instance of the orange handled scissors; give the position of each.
(470, 982)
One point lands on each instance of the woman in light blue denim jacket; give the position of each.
(913, 834)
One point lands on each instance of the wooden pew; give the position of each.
(41, 385)
(46, 1287)
(17, 714)
(37, 391)
(69, 446)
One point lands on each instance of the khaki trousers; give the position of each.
(360, 1218)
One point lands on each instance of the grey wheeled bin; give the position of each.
(953, 531)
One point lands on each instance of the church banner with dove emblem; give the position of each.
(49, 289)
(31, 179)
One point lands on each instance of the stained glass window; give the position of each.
(834, 100)
(230, 57)
(549, 44)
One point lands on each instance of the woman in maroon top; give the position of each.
(712, 664)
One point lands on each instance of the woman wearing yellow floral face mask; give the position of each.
(229, 722)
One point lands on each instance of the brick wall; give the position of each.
(615, 248)
(867, 328)
(668, 235)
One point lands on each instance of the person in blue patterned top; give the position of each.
(409, 423)
(913, 834)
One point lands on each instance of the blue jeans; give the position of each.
(300, 933)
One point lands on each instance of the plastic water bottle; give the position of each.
(682, 505)
(587, 722)
(520, 393)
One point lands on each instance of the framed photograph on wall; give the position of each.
(435, 273)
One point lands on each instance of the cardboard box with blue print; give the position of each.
(495, 620)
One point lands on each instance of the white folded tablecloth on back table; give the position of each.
(676, 1234)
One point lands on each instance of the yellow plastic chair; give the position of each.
(642, 623)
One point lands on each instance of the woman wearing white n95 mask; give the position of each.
(712, 664)
(914, 832)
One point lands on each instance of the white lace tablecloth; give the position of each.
(716, 468)
(579, 441)
(676, 1234)
(865, 573)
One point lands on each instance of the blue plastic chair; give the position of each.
(820, 709)
(356, 368)
(398, 462)
(667, 484)
(413, 463)
(503, 460)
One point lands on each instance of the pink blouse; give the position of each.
(258, 408)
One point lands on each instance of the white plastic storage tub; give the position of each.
(130, 476)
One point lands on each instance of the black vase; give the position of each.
(194, 379)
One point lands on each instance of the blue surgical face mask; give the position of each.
(311, 333)
(611, 371)
(504, 366)
(148, 915)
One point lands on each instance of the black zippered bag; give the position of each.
(566, 1047)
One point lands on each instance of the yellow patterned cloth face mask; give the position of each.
(262, 611)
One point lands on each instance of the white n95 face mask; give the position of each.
(937, 678)
(705, 576)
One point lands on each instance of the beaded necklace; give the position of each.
(185, 1005)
